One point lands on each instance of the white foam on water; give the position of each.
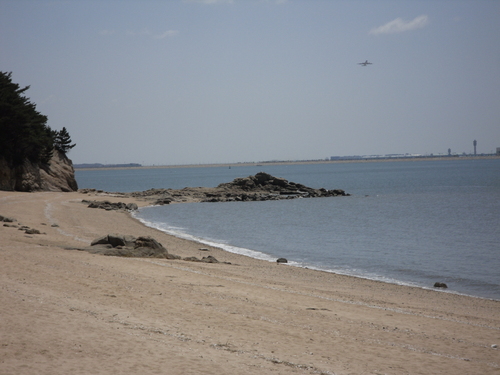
(180, 233)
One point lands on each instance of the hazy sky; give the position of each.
(181, 82)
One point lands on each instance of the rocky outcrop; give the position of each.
(59, 175)
(129, 246)
(110, 206)
(120, 245)
(261, 187)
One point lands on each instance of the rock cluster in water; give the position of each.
(261, 187)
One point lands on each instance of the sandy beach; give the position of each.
(71, 312)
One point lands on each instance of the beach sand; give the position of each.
(72, 312)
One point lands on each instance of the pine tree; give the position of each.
(62, 141)
(48, 150)
(23, 130)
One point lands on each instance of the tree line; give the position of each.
(24, 133)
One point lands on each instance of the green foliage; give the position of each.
(62, 141)
(24, 133)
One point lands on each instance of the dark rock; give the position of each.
(440, 285)
(163, 201)
(32, 231)
(7, 219)
(281, 260)
(128, 246)
(121, 240)
(100, 241)
(147, 242)
(288, 192)
(132, 207)
(209, 259)
(114, 240)
(110, 206)
(262, 178)
(281, 182)
(172, 256)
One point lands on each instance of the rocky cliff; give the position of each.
(58, 176)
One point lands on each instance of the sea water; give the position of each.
(406, 222)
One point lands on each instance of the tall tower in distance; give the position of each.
(475, 144)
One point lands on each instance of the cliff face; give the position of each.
(58, 176)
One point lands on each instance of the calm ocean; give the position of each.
(407, 222)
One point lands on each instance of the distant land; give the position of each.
(333, 159)
(98, 165)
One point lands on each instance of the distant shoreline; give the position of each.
(298, 162)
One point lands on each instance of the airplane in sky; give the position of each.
(365, 63)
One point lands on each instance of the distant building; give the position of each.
(475, 144)
(498, 151)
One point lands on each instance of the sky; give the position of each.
(178, 82)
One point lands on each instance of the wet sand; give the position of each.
(70, 312)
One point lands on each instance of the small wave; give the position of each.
(180, 233)
(384, 279)
(357, 273)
